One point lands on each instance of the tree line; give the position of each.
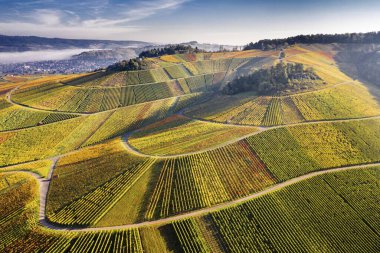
(267, 44)
(173, 49)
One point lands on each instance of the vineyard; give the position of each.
(90, 207)
(40, 167)
(315, 212)
(13, 118)
(89, 168)
(162, 160)
(18, 192)
(69, 99)
(306, 148)
(101, 91)
(268, 223)
(186, 135)
(205, 179)
(90, 100)
(345, 101)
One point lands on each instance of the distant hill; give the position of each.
(33, 43)
(372, 37)
(107, 54)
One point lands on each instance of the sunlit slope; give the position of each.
(347, 224)
(170, 186)
(19, 204)
(14, 117)
(340, 98)
(327, 213)
(39, 167)
(180, 135)
(83, 179)
(321, 61)
(195, 185)
(344, 101)
(61, 137)
(105, 91)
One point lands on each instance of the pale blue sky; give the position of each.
(216, 21)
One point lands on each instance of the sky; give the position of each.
(233, 22)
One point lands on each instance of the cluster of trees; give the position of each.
(174, 49)
(132, 64)
(276, 79)
(372, 37)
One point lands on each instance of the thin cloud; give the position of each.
(69, 23)
(143, 10)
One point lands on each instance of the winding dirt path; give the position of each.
(45, 182)
(44, 185)
(8, 97)
(137, 152)
(44, 188)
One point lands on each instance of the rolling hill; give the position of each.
(162, 160)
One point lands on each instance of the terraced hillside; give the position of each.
(160, 160)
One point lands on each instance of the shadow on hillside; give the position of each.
(351, 63)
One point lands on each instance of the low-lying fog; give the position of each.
(44, 55)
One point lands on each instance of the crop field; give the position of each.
(70, 99)
(46, 241)
(311, 216)
(202, 180)
(164, 160)
(18, 204)
(90, 207)
(13, 118)
(306, 148)
(294, 218)
(59, 97)
(120, 79)
(351, 100)
(68, 135)
(100, 91)
(185, 136)
(40, 167)
(213, 66)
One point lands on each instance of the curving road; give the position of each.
(8, 97)
(259, 130)
(44, 185)
(45, 182)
